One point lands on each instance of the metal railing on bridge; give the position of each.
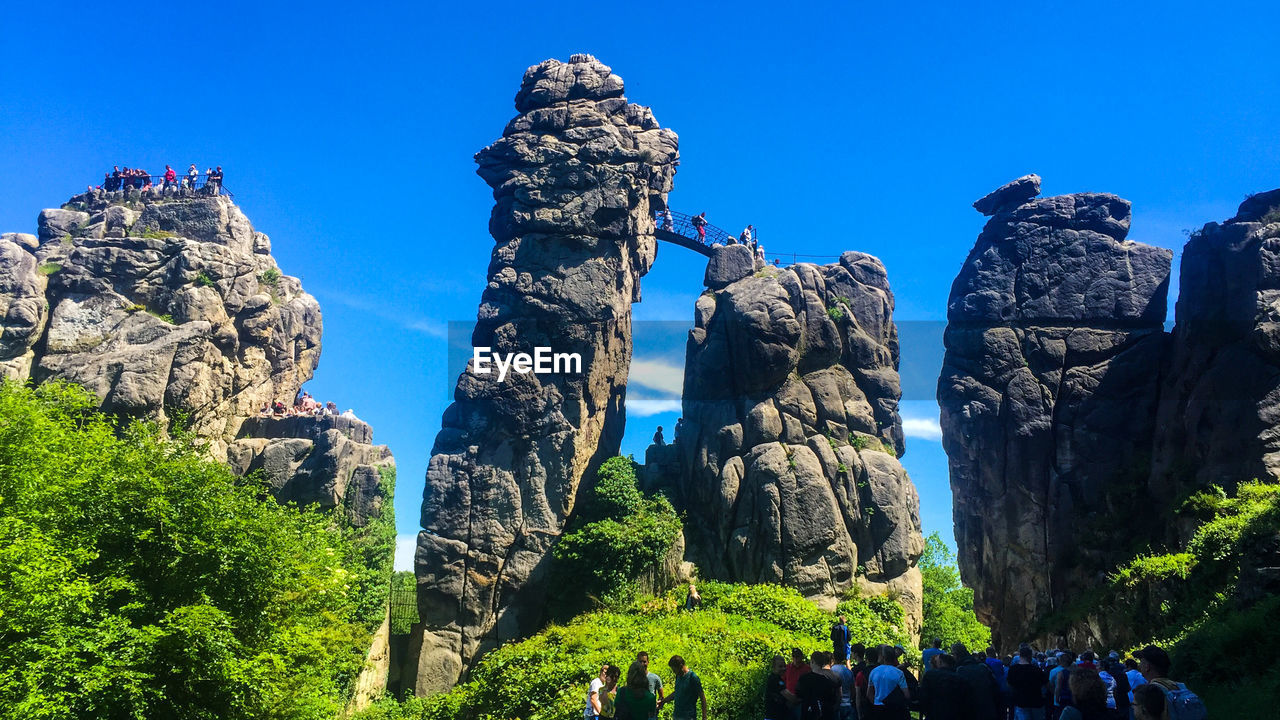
(678, 223)
(197, 184)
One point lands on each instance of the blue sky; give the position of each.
(347, 132)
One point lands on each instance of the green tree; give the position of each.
(140, 580)
(948, 605)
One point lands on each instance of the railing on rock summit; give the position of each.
(201, 185)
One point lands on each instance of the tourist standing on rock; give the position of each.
(655, 682)
(699, 223)
(1183, 704)
(1027, 683)
(170, 177)
(657, 437)
(777, 706)
(687, 692)
(943, 694)
(192, 175)
(592, 711)
(635, 702)
(840, 640)
(887, 688)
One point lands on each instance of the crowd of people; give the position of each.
(642, 695)
(304, 405)
(854, 682)
(136, 178)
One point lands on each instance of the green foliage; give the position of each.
(48, 268)
(948, 605)
(203, 280)
(140, 580)
(372, 552)
(728, 642)
(836, 313)
(134, 307)
(154, 234)
(270, 277)
(618, 535)
(404, 606)
(166, 317)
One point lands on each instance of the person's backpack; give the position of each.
(1181, 703)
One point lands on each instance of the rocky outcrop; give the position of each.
(1048, 393)
(330, 461)
(785, 462)
(159, 305)
(1220, 401)
(576, 178)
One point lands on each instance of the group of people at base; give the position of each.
(858, 683)
(641, 696)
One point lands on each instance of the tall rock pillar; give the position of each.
(576, 178)
(1048, 393)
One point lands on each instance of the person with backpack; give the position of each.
(984, 692)
(840, 640)
(1059, 687)
(820, 690)
(699, 223)
(943, 694)
(887, 688)
(634, 701)
(1180, 702)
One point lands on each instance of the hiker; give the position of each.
(927, 656)
(840, 640)
(944, 695)
(592, 710)
(1181, 703)
(887, 688)
(699, 223)
(693, 599)
(983, 690)
(655, 682)
(657, 437)
(820, 690)
(666, 221)
(170, 177)
(1027, 684)
(777, 704)
(634, 701)
(609, 692)
(687, 692)
(844, 673)
(1088, 695)
(192, 174)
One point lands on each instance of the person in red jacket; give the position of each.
(170, 177)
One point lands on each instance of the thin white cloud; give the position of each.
(406, 545)
(922, 427)
(657, 374)
(644, 407)
(426, 326)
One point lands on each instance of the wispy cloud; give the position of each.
(657, 374)
(644, 407)
(922, 428)
(406, 545)
(427, 326)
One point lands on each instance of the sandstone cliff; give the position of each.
(1049, 392)
(785, 460)
(576, 177)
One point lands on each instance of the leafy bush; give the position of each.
(728, 642)
(203, 280)
(836, 313)
(270, 277)
(140, 580)
(624, 534)
(948, 605)
(154, 234)
(48, 268)
(372, 553)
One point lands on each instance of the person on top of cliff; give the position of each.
(192, 174)
(699, 223)
(170, 177)
(657, 437)
(217, 176)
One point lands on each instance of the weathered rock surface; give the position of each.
(1048, 392)
(159, 306)
(785, 461)
(576, 177)
(330, 461)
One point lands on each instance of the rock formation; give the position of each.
(576, 178)
(1049, 391)
(170, 305)
(785, 461)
